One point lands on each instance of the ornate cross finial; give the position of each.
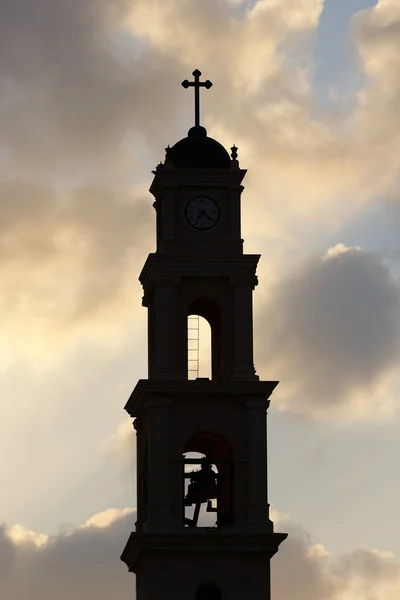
(197, 84)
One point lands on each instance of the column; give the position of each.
(258, 508)
(167, 329)
(243, 328)
(140, 476)
(159, 517)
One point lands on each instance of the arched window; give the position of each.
(204, 339)
(196, 496)
(208, 477)
(199, 347)
(208, 591)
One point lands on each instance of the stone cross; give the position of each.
(197, 84)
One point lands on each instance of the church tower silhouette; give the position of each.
(203, 530)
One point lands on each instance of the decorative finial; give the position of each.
(234, 152)
(197, 84)
(167, 153)
(158, 167)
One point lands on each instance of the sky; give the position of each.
(90, 97)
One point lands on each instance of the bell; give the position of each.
(203, 485)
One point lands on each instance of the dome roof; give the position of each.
(197, 151)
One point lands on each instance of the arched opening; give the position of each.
(208, 479)
(208, 591)
(208, 315)
(197, 466)
(199, 347)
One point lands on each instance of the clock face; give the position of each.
(202, 212)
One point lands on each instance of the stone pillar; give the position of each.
(167, 329)
(167, 211)
(243, 328)
(140, 514)
(159, 517)
(258, 508)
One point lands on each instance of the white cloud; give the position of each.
(318, 550)
(21, 535)
(122, 444)
(107, 517)
(338, 250)
(278, 517)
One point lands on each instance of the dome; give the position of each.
(197, 151)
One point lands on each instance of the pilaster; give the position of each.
(166, 363)
(257, 504)
(243, 287)
(158, 513)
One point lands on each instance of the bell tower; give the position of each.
(203, 529)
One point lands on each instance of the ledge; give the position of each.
(162, 392)
(210, 541)
(159, 265)
(176, 177)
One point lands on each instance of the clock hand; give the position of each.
(202, 212)
(206, 215)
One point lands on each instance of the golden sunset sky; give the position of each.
(90, 97)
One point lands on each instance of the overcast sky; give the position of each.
(90, 97)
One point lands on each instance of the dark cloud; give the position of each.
(85, 564)
(91, 92)
(77, 94)
(82, 564)
(369, 567)
(311, 577)
(67, 256)
(330, 330)
(74, 87)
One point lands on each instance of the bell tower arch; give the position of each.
(224, 546)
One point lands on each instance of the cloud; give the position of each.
(215, 26)
(74, 88)
(63, 413)
(64, 263)
(370, 574)
(90, 97)
(85, 563)
(318, 550)
(21, 535)
(107, 517)
(79, 100)
(309, 170)
(80, 120)
(330, 331)
(376, 32)
(122, 444)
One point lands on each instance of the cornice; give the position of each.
(171, 177)
(153, 392)
(166, 267)
(210, 541)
